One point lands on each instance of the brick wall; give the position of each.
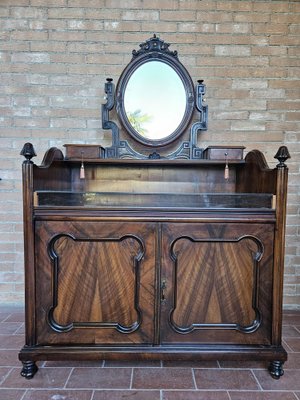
(56, 54)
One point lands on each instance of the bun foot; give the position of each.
(29, 369)
(275, 369)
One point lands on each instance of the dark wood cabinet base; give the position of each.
(29, 355)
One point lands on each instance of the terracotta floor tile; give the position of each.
(293, 343)
(244, 364)
(11, 394)
(191, 364)
(9, 328)
(58, 395)
(290, 331)
(12, 309)
(4, 315)
(16, 317)
(9, 358)
(194, 395)
(293, 362)
(261, 396)
(44, 378)
(3, 373)
(225, 379)
(289, 381)
(11, 342)
(72, 364)
(291, 318)
(100, 378)
(163, 378)
(130, 363)
(21, 330)
(126, 394)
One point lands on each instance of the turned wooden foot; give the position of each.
(276, 369)
(29, 369)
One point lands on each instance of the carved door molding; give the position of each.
(97, 282)
(217, 281)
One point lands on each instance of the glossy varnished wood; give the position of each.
(97, 281)
(219, 283)
(153, 280)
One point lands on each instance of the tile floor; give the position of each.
(156, 380)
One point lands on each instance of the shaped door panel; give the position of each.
(218, 283)
(97, 282)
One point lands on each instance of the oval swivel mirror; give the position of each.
(155, 96)
(155, 100)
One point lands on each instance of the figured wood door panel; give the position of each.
(218, 283)
(95, 282)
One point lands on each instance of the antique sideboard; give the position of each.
(157, 252)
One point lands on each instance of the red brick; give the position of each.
(251, 17)
(87, 3)
(140, 15)
(50, 3)
(266, 6)
(271, 28)
(215, 17)
(238, 28)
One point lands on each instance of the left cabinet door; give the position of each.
(94, 282)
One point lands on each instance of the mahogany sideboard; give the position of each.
(154, 259)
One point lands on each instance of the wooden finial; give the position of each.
(282, 155)
(28, 152)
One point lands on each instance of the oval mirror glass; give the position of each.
(155, 100)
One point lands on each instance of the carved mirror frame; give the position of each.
(154, 49)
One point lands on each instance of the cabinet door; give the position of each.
(94, 282)
(216, 283)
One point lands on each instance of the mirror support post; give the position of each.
(202, 124)
(109, 88)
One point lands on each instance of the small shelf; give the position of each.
(161, 161)
(153, 200)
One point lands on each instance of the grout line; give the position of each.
(68, 378)
(3, 378)
(131, 379)
(257, 381)
(20, 327)
(24, 394)
(9, 315)
(194, 379)
(295, 394)
(93, 394)
(293, 336)
(288, 348)
(228, 394)
(256, 391)
(161, 394)
(298, 330)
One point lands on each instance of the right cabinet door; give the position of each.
(216, 283)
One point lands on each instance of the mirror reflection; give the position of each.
(155, 100)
